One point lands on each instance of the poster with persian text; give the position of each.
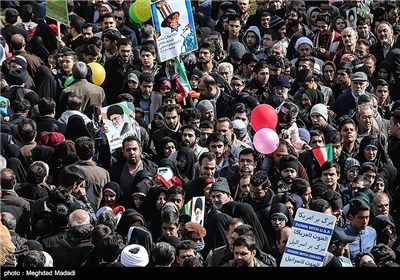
(175, 29)
(309, 239)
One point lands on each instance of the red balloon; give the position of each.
(264, 116)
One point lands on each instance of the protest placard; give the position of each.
(175, 29)
(116, 118)
(309, 239)
(57, 10)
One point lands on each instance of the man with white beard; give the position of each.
(348, 100)
(385, 42)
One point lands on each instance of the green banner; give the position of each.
(57, 10)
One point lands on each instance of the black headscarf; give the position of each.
(76, 128)
(195, 187)
(127, 219)
(215, 225)
(246, 213)
(116, 188)
(160, 147)
(387, 66)
(44, 31)
(276, 208)
(379, 223)
(315, 96)
(151, 214)
(142, 236)
(169, 162)
(188, 155)
(382, 158)
(45, 85)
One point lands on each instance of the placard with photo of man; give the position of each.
(117, 123)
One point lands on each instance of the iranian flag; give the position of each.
(181, 79)
(323, 154)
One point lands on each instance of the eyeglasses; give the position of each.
(119, 18)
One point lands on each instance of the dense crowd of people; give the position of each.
(330, 69)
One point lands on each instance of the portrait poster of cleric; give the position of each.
(117, 123)
(175, 29)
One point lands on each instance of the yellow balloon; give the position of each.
(141, 10)
(98, 73)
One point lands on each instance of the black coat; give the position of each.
(115, 77)
(344, 104)
(49, 124)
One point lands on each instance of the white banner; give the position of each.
(309, 239)
(175, 29)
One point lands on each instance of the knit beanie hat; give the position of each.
(166, 84)
(301, 41)
(237, 50)
(205, 105)
(107, 6)
(276, 22)
(304, 135)
(239, 128)
(134, 255)
(349, 163)
(159, 113)
(196, 72)
(133, 77)
(220, 185)
(288, 162)
(20, 60)
(368, 166)
(282, 80)
(320, 109)
(171, 207)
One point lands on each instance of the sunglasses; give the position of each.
(119, 18)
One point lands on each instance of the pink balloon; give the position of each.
(266, 141)
(264, 116)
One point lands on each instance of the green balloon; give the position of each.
(68, 81)
(132, 14)
(142, 10)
